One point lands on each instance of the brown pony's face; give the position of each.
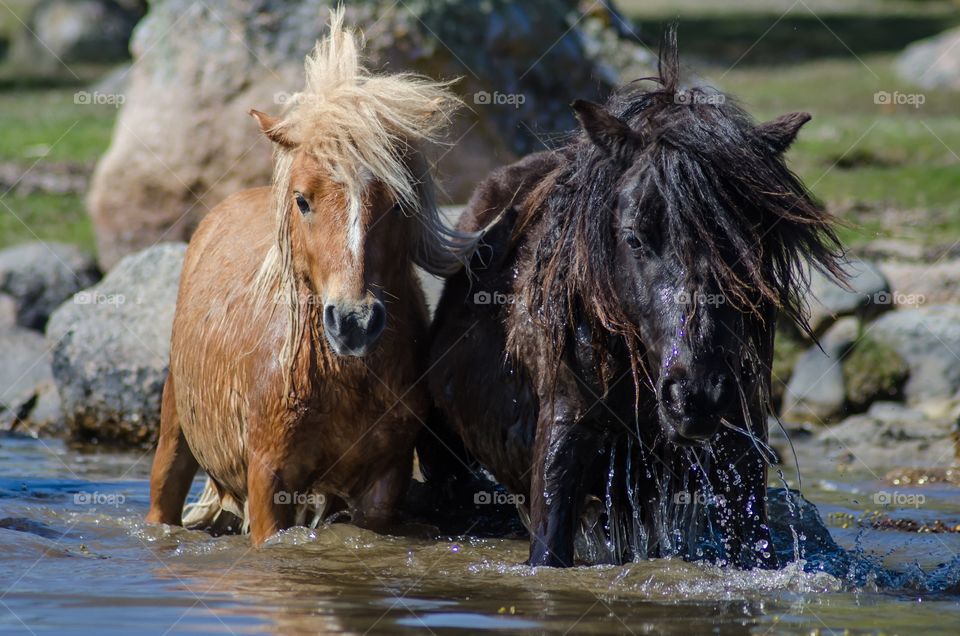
(345, 246)
(345, 249)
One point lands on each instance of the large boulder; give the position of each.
(873, 371)
(111, 346)
(184, 141)
(867, 294)
(59, 33)
(928, 338)
(28, 399)
(40, 276)
(934, 62)
(815, 392)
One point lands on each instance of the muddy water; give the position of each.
(75, 557)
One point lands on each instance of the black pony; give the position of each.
(660, 244)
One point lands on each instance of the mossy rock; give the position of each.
(787, 347)
(873, 371)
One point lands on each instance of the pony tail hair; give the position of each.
(440, 250)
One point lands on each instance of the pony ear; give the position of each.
(781, 132)
(271, 127)
(609, 133)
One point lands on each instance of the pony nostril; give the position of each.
(719, 388)
(330, 319)
(671, 392)
(377, 319)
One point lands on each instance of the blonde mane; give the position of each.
(360, 126)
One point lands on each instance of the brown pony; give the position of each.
(301, 329)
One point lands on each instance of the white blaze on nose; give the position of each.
(355, 211)
(354, 231)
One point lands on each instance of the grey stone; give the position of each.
(111, 346)
(928, 338)
(40, 276)
(887, 435)
(869, 295)
(934, 62)
(8, 311)
(815, 392)
(28, 398)
(59, 33)
(923, 283)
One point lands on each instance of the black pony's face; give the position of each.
(694, 333)
(691, 333)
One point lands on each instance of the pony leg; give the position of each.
(445, 462)
(564, 454)
(270, 507)
(173, 464)
(377, 508)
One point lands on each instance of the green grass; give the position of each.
(49, 118)
(48, 217)
(40, 125)
(862, 158)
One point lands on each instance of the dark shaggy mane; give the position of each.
(722, 189)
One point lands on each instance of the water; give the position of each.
(76, 557)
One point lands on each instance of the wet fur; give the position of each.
(554, 391)
(256, 394)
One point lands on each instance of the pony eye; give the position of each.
(302, 203)
(633, 241)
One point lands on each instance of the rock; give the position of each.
(786, 350)
(815, 392)
(46, 418)
(923, 283)
(889, 435)
(934, 62)
(885, 249)
(8, 311)
(872, 371)
(26, 383)
(59, 33)
(520, 64)
(928, 338)
(869, 295)
(111, 346)
(40, 276)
